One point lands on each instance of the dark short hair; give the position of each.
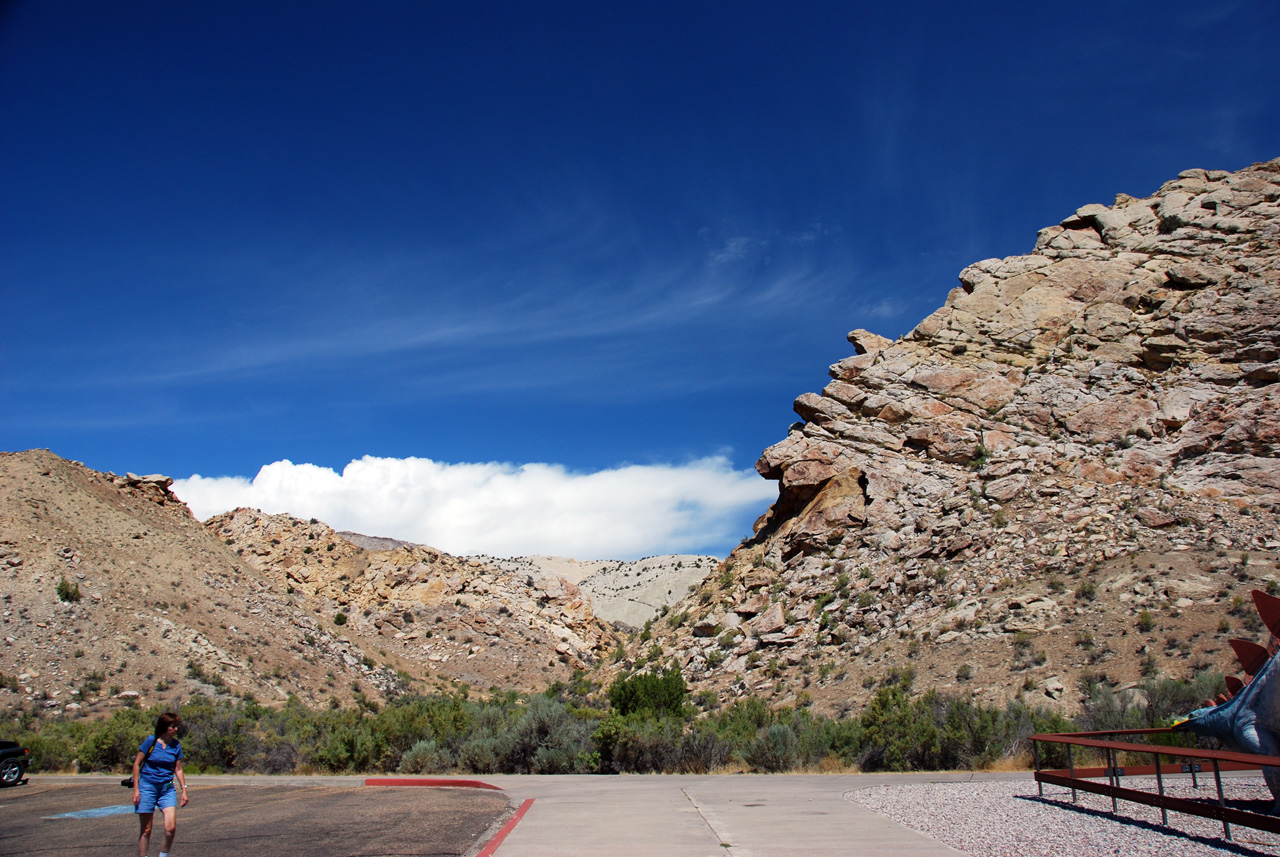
(164, 721)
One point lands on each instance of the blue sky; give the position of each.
(602, 243)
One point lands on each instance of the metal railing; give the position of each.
(1189, 761)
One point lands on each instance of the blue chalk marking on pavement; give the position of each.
(96, 813)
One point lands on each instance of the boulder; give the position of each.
(769, 622)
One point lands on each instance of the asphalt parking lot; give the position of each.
(225, 820)
(731, 815)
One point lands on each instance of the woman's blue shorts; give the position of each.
(155, 796)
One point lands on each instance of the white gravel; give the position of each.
(1009, 819)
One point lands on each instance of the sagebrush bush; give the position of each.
(648, 747)
(702, 750)
(775, 749)
(546, 740)
(425, 757)
(480, 755)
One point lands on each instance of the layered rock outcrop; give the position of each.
(625, 593)
(1110, 396)
(429, 605)
(1138, 344)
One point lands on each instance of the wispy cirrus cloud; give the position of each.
(737, 248)
(563, 298)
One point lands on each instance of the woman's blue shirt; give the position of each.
(159, 766)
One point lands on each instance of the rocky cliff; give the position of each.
(1067, 472)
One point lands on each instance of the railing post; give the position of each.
(1217, 777)
(1071, 769)
(1035, 753)
(1112, 777)
(1164, 813)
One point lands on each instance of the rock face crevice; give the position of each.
(1111, 394)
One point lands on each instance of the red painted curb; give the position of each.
(435, 782)
(493, 843)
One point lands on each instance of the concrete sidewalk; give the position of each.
(704, 816)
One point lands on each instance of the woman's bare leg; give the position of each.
(170, 826)
(144, 834)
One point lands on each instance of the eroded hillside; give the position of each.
(462, 618)
(114, 594)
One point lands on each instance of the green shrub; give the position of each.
(657, 693)
(425, 757)
(702, 750)
(546, 740)
(480, 755)
(51, 751)
(69, 592)
(774, 750)
(741, 720)
(217, 734)
(114, 744)
(894, 739)
(647, 747)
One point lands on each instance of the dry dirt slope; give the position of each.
(1071, 467)
(168, 607)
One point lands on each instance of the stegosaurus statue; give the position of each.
(1247, 718)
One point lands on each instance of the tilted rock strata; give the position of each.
(430, 606)
(624, 593)
(1110, 396)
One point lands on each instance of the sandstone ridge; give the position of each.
(1079, 435)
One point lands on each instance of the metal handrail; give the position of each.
(1222, 760)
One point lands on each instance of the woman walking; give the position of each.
(157, 765)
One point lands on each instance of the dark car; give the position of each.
(13, 763)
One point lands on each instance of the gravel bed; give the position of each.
(1009, 819)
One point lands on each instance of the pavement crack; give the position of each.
(729, 847)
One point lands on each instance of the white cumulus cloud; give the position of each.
(505, 509)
